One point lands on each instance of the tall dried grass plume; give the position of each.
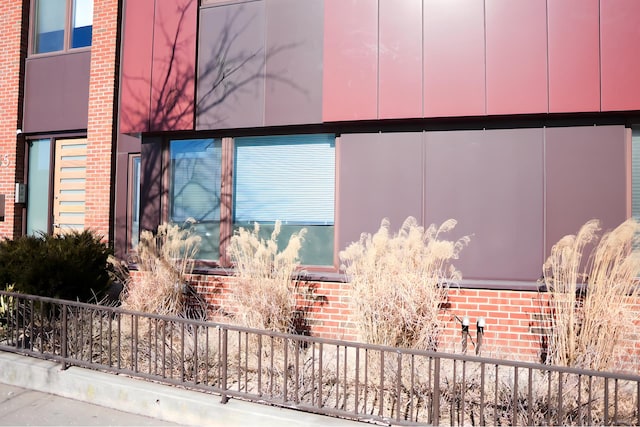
(268, 287)
(400, 281)
(590, 298)
(165, 261)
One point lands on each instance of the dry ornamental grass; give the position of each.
(590, 301)
(400, 281)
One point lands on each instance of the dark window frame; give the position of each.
(226, 202)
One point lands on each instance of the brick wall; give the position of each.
(516, 321)
(12, 50)
(102, 102)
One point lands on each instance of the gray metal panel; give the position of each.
(585, 179)
(57, 92)
(380, 176)
(231, 69)
(294, 62)
(491, 183)
(151, 193)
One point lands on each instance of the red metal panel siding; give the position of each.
(350, 80)
(135, 80)
(454, 55)
(293, 93)
(585, 178)
(491, 183)
(400, 62)
(620, 55)
(174, 65)
(574, 56)
(516, 39)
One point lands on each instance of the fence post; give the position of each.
(435, 399)
(63, 337)
(225, 398)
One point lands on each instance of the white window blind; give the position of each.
(286, 178)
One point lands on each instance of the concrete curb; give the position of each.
(149, 399)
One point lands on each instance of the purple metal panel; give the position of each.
(151, 192)
(379, 176)
(231, 68)
(174, 65)
(620, 62)
(574, 56)
(491, 183)
(57, 92)
(516, 40)
(293, 93)
(350, 77)
(585, 179)
(135, 78)
(400, 59)
(454, 55)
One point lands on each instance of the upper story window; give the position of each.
(61, 25)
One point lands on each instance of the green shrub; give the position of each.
(71, 266)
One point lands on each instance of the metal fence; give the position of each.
(346, 379)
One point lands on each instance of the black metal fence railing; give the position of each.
(346, 379)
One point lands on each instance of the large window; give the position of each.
(290, 179)
(194, 193)
(286, 178)
(62, 24)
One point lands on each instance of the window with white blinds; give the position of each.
(292, 179)
(286, 178)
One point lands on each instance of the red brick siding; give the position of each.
(516, 321)
(12, 51)
(100, 128)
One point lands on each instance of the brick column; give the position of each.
(100, 128)
(12, 50)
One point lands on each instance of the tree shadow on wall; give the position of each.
(232, 74)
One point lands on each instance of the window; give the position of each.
(194, 191)
(291, 179)
(134, 200)
(62, 24)
(285, 178)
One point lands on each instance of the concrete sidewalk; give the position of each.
(127, 397)
(23, 407)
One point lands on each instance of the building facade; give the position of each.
(516, 118)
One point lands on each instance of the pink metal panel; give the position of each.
(400, 62)
(516, 40)
(135, 83)
(454, 55)
(574, 55)
(174, 65)
(350, 78)
(585, 178)
(620, 58)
